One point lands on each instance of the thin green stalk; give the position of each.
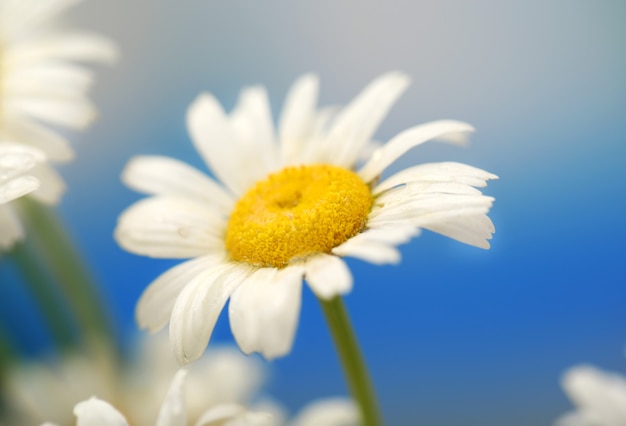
(7, 354)
(45, 292)
(61, 257)
(352, 361)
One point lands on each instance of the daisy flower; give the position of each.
(36, 392)
(16, 161)
(332, 412)
(291, 204)
(43, 86)
(600, 397)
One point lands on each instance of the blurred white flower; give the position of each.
(292, 205)
(43, 85)
(599, 397)
(35, 393)
(16, 160)
(331, 412)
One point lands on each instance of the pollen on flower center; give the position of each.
(297, 212)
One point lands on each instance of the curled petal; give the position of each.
(406, 140)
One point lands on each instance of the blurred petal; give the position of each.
(173, 411)
(52, 185)
(599, 396)
(17, 187)
(234, 415)
(73, 111)
(75, 46)
(219, 415)
(329, 412)
(25, 131)
(17, 158)
(27, 15)
(11, 230)
(96, 412)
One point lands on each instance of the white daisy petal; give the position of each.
(170, 227)
(96, 412)
(210, 132)
(253, 134)
(474, 229)
(406, 140)
(358, 121)
(576, 419)
(393, 235)
(231, 146)
(369, 251)
(198, 306)
(264, 311)
(52, 185)
(28, 15)
(313, 150)
(76, 46)
(166, 176)
(17, 158)
(155, 305)
(328, 276)
(74, 111)
(298, 117)
(51, 81)
(17, 187)
(600, 396)
(328, 412)
(220, 414)
(54, 146)
(173, 412)
(15, 161)
(234, 415)
(448, 172)
(11, 230)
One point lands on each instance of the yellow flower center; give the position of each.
(297, 212)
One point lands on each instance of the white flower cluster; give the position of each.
(43, 85)
(222, 388)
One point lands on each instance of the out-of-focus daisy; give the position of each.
(599, 397)
(293, 203)
(43, 86)
(331, 412)
(34, 393)
(16, 161)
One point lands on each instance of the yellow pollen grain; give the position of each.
(297, 212)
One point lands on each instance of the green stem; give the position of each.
(45, 292)
(7, 354)
(63, 260)
(352, 361)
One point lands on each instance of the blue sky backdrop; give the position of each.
(454, 334)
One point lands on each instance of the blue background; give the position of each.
(454, 334)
